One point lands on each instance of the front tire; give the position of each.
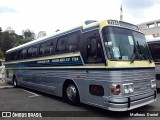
(71, 94)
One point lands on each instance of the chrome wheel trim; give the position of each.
(71, 92)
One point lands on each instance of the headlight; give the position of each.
(128, 88)
(125, 87)
(153, 83)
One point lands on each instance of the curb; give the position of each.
(4, 84)
(9, 86)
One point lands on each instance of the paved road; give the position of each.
(19, 99)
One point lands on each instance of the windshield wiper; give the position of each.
(134, 54)
(150, 59)
(140, 51)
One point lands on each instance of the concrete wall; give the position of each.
(151, 28)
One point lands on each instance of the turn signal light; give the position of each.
(118, 91)
(115, 89)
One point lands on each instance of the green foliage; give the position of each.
(1, 55)
(22, 41)
(10, 40)
(7, 41)
(28, 35)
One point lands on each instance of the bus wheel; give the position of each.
(14, 82)
(71, 94)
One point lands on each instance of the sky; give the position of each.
(50, 15)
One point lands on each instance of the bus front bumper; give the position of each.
(131, 102)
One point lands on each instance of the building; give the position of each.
(41, 34)
(150, 28)
(10, 30)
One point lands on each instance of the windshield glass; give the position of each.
(142, 46)
(125, 44)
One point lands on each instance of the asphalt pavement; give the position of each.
(20, 99)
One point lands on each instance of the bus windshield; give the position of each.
(125, 44)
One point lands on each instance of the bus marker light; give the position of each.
(115, 89)
(78, 75)
(112, 89)
(118, 91)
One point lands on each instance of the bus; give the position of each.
(1, 64)
(100, 63)
(154, 46)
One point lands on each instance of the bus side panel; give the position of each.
(157, 75)
(9, 75)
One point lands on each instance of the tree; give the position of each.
(0, 37)
(22, 41)
(10, 40)
(1, 54)
(28, 35)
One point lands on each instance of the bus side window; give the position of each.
(91, 49)
(24, 53)
(20, 54)
(42, 49)
(155, 51)
(35, 50)
(16, 55)
(49, 47)
(94, 50)
(29, 53)
(61, 44)
(72, 42)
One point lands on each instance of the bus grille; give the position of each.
(141, 79)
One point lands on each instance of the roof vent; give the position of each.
(89, 22)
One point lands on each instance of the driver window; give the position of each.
(94, 51)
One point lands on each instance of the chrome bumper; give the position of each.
(131, 102)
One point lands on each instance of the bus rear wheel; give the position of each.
(71, 94)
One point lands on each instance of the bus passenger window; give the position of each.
(42, 49)
(29, 54)
(35, 51)
(72, 42)
(49, 47)
(24, 53)
(20, 54)
(91, 50)
(94, 50)
(61, 45)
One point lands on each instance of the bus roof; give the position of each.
(86, 26)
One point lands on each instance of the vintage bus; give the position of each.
(105, 64)
(1, 63)
(154, 46)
